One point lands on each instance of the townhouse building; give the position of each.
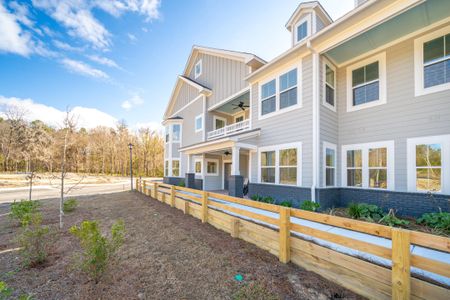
(356, 110)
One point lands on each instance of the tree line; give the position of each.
(36, 147)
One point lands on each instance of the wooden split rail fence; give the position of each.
(363, 277)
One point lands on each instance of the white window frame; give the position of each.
(219, 118)
(201, 166)
(240, 114)
(419, 89)
(277, 149)
(333, 147)
(324, 89)
(179, 167)
(172, 133)
(167, 174)
(381, 58)
(195, 123)
(308, 20)
(213, 160)
(199, 63)
(390, 163)
(444, 141)
(277, 110)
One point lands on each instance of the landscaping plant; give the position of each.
(22, 211)
(35, 241)
(266, 199)
(391, 220)
(364, 211)
(70, 205)
(286, 203)
(181, 183)
(5, 291)
(438, 221)
(309, 205)
(97, 250)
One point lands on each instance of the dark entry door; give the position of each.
(226, 174)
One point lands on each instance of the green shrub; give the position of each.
(368, 212)
(35, 241)
(286, 203)
(23, 210)
(391, 220)
(438, 221)
(69, 205)
(182, 183)
(5, 291)
(97, 250)
(266, 199)
(309, 205)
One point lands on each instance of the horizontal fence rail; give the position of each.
(279, 230)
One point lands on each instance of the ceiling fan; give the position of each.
(241, 105)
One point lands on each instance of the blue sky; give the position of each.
(118, 59)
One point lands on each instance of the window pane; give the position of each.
(268, 175)
(371, 72)
(199, 123)
(378, 178)
(330, 157)
(167, 134)
(268, 158)
(288, 98)
(447, 44)
(211, 167)
(166, 167)
(302, 31)
(377, 157)
(198, 167)
(288, 80)
(428, 179)
(176, 132)
(428, 155)
(358, 76)
(329, 177)
(220, 123)
(366, 93)
(354, 158)
(239, 119)
(329, 75)
(354, 177)
(268, 89)
(329, 95)
(435, 74)
(268, 106)
(175, 168)
(288, 175)
(433, 49)
(288, 157)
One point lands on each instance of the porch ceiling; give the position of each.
(230, 109)
(412, 20)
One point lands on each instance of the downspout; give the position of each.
(316, 120)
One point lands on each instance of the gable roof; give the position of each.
(307, 6)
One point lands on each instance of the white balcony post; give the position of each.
(190, 169)
(235, 161)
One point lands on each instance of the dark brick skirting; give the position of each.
(177, 180)
(405, 203)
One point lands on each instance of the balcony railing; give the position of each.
(230, 129)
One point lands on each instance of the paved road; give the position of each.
(9, 195)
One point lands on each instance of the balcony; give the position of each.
(229, 130)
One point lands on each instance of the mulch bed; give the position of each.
(166, 255)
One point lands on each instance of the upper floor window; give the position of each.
(198, 69)
(176, 130)
(199, 123)
(280, 93)
(239, 118)
(302, 31)
(329, 86)
(432, 62)
(429, 164)
(219, 122)
(167, 131)
(366, 83)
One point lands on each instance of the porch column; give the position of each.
(190, 175)
(236, 181)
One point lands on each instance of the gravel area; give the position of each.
(166, 255)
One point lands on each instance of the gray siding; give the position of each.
(189, 136)
(223, 76)
(319, 24)
(186, 94)
(403, 116)
(212, 183)
(289, 127)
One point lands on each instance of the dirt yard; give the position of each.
(166, 255)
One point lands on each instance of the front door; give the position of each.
(226, 174)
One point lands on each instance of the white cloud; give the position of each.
(21, 13)
(104, 61)
(83, 69)
(67, 47)
(12, 38)
(135, 100)
(132, 37)
(86, 117)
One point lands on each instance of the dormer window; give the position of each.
(198, 69)
(302, 31)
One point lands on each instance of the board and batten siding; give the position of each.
(189, 136)
(225, 77)
(289, 127)
(186, 94)
(403, 116)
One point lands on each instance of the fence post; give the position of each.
(401, 255)
(155, 190)
(205, 207)
(186, 207)
(235, 228)
(285, 247)
(172, 195)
